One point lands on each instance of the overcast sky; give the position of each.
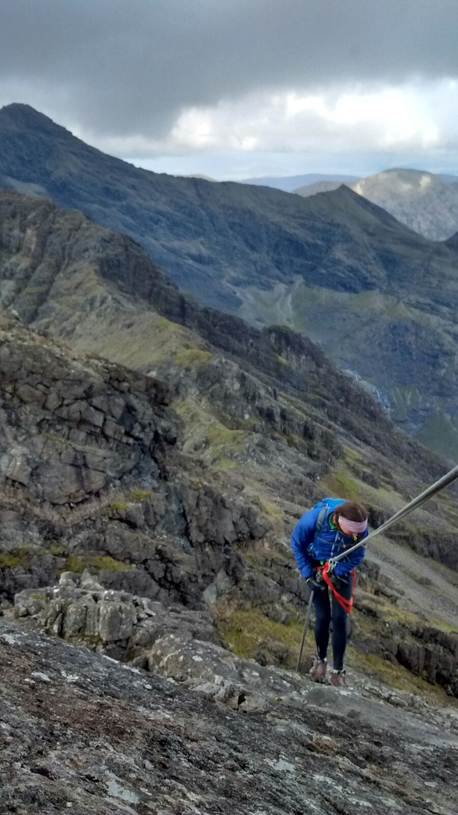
(241, 88)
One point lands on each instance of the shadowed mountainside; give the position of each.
(322, 265)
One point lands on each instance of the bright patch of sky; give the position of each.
(352, 130)
(239, 88)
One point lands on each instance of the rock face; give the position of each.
(78, 281)
(100, 473)
(84, 734)
(187, 491)
(89, 478)
(275, 258)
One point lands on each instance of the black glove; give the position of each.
(316, 582)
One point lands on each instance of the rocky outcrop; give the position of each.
(186, 644)
(179, 643)
(89, 477)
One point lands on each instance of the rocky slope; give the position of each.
(147, 634)
(424, 202)
(89, 477)
(275, 258)
(194, 485)
(84, 734)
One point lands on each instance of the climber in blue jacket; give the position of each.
(327, 530)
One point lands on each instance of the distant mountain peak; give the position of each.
(25, 116)
(18, 110)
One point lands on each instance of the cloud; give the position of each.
(132, 67)
(415, 117)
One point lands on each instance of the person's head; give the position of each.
(351, 518)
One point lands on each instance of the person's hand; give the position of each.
(316, 583)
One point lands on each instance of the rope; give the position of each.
(418, 501)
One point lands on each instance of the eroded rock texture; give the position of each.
(84, 734)
(89, 477)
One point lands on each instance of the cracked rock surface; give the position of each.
(85, 734)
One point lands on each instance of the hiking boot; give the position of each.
(318, 670)
(337, 679)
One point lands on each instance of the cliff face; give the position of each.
(380, 299)
(89, 479)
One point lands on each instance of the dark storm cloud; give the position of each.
(130, 66)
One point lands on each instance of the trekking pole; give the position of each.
(306, 626)
(418, 501)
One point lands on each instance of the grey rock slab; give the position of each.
(110, 739)
(116, 621)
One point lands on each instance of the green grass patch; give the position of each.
(55, 548)
(441, 433)
(246, 629)
(353, 455)
(271, 510)
(282, 360)
(11, 559)
(137, 494)
(339, 483)
(77, 563)
(400, 615)
(192, 357)
(107, 562)
(228, 464)
(397, 677)
(162, 324)
(437, 622)
(221, 436)
(114, 506)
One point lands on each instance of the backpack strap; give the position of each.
(318, 526)
(321, 518)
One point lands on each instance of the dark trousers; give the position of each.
(325, 610)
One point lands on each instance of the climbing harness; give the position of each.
(347, 605)
(418, 501)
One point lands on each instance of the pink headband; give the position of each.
(352, 527)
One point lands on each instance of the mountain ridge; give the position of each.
(425, 202)
(290, 183)
(274, 258)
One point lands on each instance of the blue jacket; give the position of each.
(310, 545)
